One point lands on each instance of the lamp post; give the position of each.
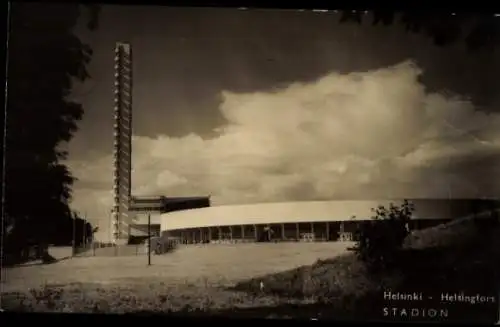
(73, 241)
(149, 239)
(84, 232)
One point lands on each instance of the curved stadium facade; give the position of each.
(298, 221)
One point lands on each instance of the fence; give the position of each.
(158, 246)
(99, 250)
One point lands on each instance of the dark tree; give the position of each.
(76, 231)
(478, 31)
(379, 239)
(80, 233)
(44, 58)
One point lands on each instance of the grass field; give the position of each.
(299, 279)
(195, 276)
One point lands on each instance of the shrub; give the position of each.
(487, 221)
(381, 238)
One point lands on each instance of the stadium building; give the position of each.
(299, 221)
(194, 220)
(130, 214)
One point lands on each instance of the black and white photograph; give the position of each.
(246, 162)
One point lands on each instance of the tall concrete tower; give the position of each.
(122, 164)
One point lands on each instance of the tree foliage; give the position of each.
(381, 237)
(75, 231)
(45, 57)
(478, 31)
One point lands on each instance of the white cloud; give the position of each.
(375, 134)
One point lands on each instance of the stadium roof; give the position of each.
(296, 212)
(166, 204)
(186, 199)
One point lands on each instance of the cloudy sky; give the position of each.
(258, 106)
